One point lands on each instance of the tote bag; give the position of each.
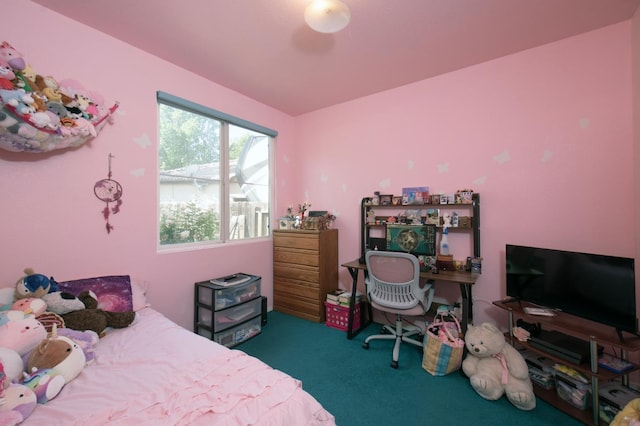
(443, 346)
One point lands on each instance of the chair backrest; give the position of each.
(394, 280)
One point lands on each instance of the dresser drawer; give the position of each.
(299, 257)
(297, 241)
(299, 307)
(309, 275)
(308, 290)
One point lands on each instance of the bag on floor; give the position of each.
(443, 345)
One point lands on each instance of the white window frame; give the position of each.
(225, 205)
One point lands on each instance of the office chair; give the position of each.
(393, 285)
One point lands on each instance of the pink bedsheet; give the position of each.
(157, 373)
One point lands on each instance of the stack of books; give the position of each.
(342, 298)
(333, 297)
(345, 298)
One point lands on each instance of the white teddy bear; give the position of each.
(494, 367)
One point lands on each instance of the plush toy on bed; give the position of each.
(495, 368)
(59, 353)
(62, 302)
(12, 365)
(96, 319)
(30, 305)
(87, 341)
(19, 403)
(34, 285)
(45, 383)
(20, 332)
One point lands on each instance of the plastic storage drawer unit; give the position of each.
(228, 291)
(228, 309)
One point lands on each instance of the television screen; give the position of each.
(596, 287)
(416, 239)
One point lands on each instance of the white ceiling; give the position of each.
(264, 50)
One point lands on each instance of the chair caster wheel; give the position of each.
(394, 364)
(365, 345)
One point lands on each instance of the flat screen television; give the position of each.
(596, 287)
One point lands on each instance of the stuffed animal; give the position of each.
(30, 305)
(50, 320)
(495, 368)
(37, 307)
(6, 75)
(34, 285)
(20, 100)
(95, 319)
(27, 76)
(87, 341)
(59, 353)
(19, 403)
(61, 302)
(20, 332)
(46, 384)
(12, 364)
(12, 56)
(48, 86)
(11, 124)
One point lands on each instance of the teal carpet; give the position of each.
(359, 387)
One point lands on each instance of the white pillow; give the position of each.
(138, 292)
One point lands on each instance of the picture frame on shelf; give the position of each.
(416, 239)
(284, 223)
(386, 200)
(415, 195)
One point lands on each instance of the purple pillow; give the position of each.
(113, 292)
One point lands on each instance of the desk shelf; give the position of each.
(369, 243)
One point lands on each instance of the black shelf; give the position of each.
(366, 206)
(598, 334)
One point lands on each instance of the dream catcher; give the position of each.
(109, 191)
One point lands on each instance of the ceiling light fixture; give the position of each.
(327, 16)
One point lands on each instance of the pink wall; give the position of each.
(635, 90)
(51, 220)
(544, 135)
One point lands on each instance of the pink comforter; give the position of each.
(157, 373)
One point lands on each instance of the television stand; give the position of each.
(564, 346)
(594, 334)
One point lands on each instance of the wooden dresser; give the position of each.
(305, 269)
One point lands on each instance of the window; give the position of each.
(214, 175)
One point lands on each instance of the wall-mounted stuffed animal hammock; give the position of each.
(39, 113)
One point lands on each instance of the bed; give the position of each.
(154, 372)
